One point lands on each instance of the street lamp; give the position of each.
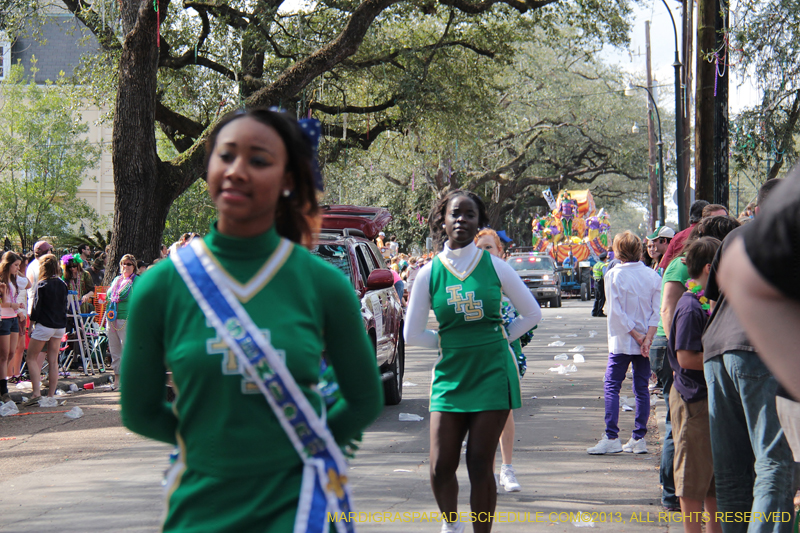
(679, 177)
(629, 91)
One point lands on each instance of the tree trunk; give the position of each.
(786, 138)
(497, 209)
(721, 184)
(141, 203)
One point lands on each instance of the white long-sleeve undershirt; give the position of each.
(461, 260)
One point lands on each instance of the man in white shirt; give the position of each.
(633, 293)
(394, 246)
(40, 249)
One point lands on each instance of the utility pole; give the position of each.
(651, 137)
(686, 102)
(704, 111)
(721, 105)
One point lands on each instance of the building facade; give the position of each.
(58, 46)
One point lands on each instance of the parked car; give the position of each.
(345, 242)
(540, 274)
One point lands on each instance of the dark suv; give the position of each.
(540, 274)
(345, 243)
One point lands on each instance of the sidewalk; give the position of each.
(661, 418)
(24, 388)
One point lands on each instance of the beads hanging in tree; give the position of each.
(158, 23)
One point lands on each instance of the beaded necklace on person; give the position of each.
(76, 284)
(700, 294)
(120, 288)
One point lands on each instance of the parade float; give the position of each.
(574, 225)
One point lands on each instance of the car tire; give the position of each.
(393, 388)
(584, 292)
(556, 302)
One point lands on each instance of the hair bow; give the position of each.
(312, 130)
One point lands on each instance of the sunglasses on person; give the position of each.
(73, 266)
(128, 264)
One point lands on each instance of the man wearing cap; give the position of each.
(40, 249)
(676, 245)
(657, 244)
(383, 246)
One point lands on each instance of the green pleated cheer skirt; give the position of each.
(476, 378)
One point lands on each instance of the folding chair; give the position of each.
(97, 342)
(80, 321)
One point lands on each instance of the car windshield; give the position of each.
(533, 262)
(335, 254)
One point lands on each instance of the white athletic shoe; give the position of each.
(605, 446)
(453, 527)
(508, 479)
(635, 446)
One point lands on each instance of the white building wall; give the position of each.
(98, 185)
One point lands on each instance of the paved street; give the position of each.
(73, 475)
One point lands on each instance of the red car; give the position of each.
(345, 242)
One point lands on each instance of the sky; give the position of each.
(742, 92)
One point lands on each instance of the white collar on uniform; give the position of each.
(467, 251)
(462, 261)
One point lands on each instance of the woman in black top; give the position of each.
(49, 322)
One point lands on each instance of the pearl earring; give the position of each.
(286, 193)
(444, 226)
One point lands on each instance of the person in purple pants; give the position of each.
(633, 296)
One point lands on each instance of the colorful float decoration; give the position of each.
(574, 225)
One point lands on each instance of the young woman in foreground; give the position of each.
(247, 417)
(475, 379)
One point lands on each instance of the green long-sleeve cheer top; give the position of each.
(221, 421)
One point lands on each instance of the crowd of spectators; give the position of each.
(714, 326)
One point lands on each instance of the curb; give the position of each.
(64, 383)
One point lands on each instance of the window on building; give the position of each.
(5, 55)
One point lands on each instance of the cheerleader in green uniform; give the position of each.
(239, 469)
(475, 379)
